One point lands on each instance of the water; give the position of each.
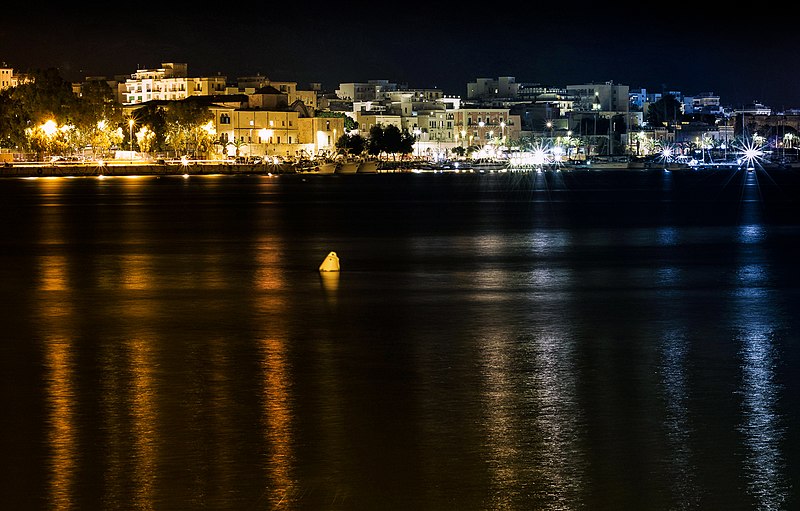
(597, 340)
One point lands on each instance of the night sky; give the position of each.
(741, 56)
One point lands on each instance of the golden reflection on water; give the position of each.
(502, 426)
(135, 272)
(223, 397)
(56, 313)
(330, 285)
(52, 273)
(131, 415)
(277, 419)
(144, 415)
(531, 403)
(269, 272)
(62, 434)
(553, 388)
(277, 413)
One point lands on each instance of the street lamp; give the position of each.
(417, 133)
(130, 127)
(481, 124)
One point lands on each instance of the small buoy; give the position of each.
(331, 263)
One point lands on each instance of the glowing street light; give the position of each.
(50, 128)
(751, 153)
(130, 127)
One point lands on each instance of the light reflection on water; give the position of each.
(679, 430)
(529, 393)
(204, 362)
(761, 425)
(63, 428)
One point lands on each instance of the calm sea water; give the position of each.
(600, 341)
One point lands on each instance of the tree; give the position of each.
(184, 123)
(47, 97)
(389, 139)
(145, 138)
(664, 111)
(392, 138)
(375, 143)
(351, 144)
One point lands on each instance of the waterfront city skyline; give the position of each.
(693, 51)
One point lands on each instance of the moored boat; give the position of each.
(349, 166)
(367, 167)
(489, 165)
(325, 167)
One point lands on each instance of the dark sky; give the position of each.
(741, 56)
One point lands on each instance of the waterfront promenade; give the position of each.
(133, 169)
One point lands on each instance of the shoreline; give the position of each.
(28, 170)
(89, 170)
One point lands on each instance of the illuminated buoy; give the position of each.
(331, 263)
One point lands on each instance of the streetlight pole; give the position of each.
(130, 126)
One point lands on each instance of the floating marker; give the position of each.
(331, 263)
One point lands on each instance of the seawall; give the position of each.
(79, 170)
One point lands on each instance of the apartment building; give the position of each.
(6, 77)
(282, 132)
(366, 91)
(485, 88)
(600, 97)
(169, 82)
(479, 126)
(250, 84)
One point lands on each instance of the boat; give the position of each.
(301, 165)
(367, 167)
(489, 165)
(607, 162)
(348, 166)
(324, 166)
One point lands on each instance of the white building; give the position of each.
(501, 87)
(369, 91)
(603, 97)
(169, 82)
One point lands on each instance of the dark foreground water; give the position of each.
(600, 341)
